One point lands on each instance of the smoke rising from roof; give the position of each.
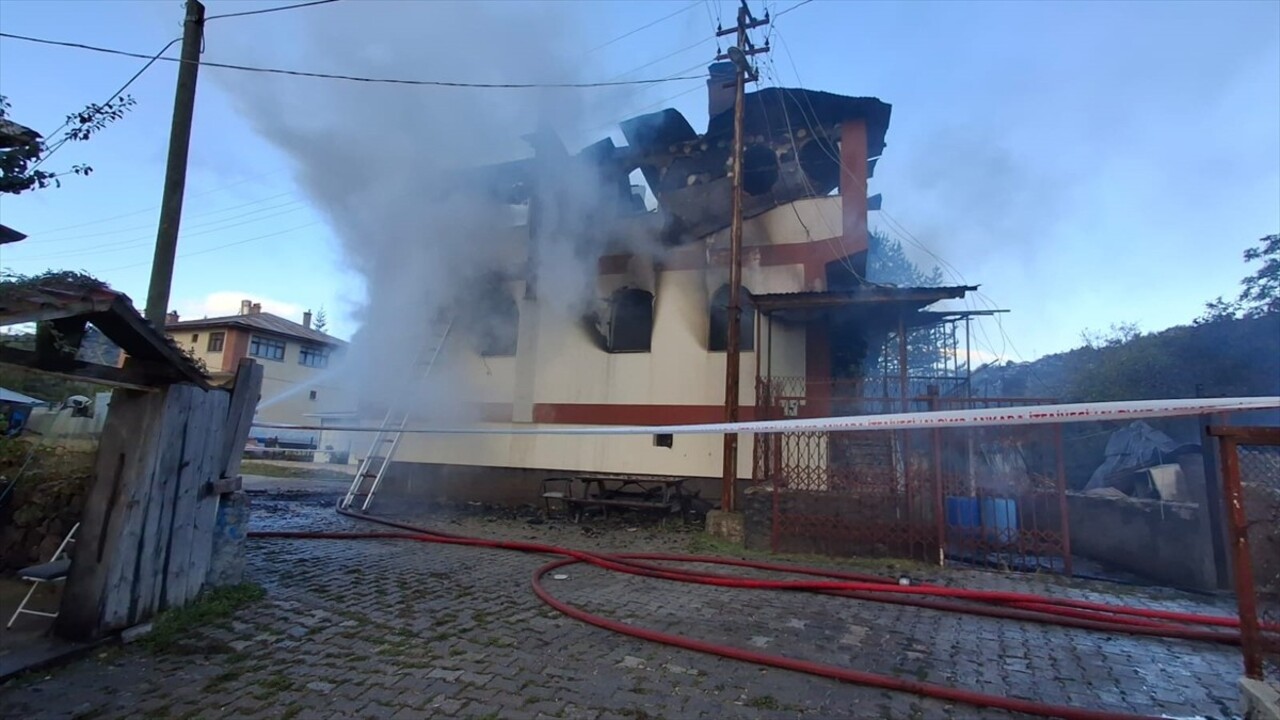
(382, 162)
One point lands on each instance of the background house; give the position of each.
(298, 360)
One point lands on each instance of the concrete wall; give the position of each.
(414, 486)
(1162, 541)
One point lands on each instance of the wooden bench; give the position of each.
(656, 494)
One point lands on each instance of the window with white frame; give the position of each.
(266, 348)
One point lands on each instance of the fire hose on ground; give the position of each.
(1004, 605)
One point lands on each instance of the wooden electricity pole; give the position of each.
(743, 72)
(175, 175)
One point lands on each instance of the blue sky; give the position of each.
(1087, 163)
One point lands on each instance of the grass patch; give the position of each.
(764, 702)
(214, 606)
(257, 467)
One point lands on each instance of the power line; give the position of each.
(151, 61)
(269, 10)
(131, 243)
(134, 228)
(358, 78)
(793, 7)
(673, 53)
(664, 18)
(157, 207)
(219, 247)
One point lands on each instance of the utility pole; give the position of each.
(175, 175)
(738, 55)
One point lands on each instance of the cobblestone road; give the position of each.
(390, 629)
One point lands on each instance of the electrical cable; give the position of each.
(148, 242)
(202, 193)
(269, 10)
(136, 228)
(357, 78)
(219, 247)
(802, 3)
(58, 144)
(662, 19)
(1005, 605)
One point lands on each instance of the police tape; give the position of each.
(986, 417)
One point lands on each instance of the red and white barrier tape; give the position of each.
(1028, 415)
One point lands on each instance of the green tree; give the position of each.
(23, 150)
(322, 320)
(888, 264)
(1259, 292)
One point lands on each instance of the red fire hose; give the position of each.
(1005, 605)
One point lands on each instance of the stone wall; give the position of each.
(37, 515)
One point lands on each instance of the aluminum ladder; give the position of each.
(375, 464)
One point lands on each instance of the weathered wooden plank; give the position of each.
(158, 512)
(210, 464)
(127, 378)
(244, 402)
(188, 438)
(121, 595)
(191, 482)
(125, 446)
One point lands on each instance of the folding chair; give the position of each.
(53, 571)
(564, 495)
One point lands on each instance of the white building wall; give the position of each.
(570, 368)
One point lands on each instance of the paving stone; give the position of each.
(446, 631)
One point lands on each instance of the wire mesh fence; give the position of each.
(1250, 458)
(1259, 466)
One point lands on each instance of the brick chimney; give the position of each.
(246, 307)
(720, 97)
(171, 317)
(256, 309)
(306, 319)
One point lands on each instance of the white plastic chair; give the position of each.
(53, 571)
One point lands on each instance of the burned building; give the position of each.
(648, 345)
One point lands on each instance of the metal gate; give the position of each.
(990, 496)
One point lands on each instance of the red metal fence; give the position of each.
(1250, 459)
(989, 496)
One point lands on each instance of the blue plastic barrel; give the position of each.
(963, 512)
(1000, 519)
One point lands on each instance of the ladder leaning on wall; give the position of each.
(376, 462)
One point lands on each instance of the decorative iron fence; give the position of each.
(990, 496)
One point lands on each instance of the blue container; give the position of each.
(963, 512)
(1000, 519)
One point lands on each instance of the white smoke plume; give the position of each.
(381, 161)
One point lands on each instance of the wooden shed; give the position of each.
(167, 466)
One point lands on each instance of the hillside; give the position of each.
(1230, 357)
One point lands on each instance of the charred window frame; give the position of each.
(718, 334)
(215, 341)
(497, 322)
(630, 321)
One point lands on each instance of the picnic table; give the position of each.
(620, 492)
